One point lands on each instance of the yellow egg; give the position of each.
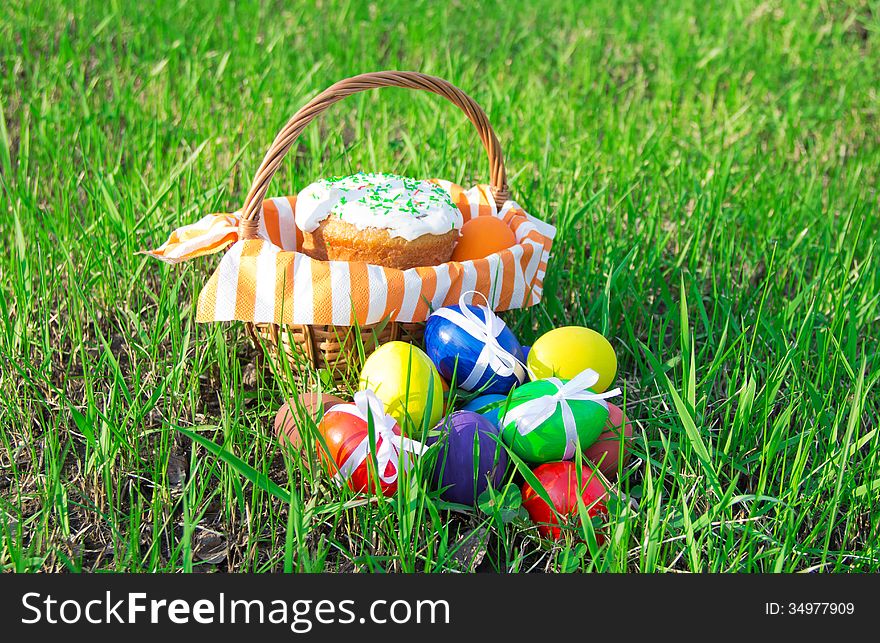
(565, 352)
(401, 375)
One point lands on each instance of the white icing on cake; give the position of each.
(407, 208)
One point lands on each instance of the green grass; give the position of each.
(712, 169)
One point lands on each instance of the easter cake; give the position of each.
(381, 219)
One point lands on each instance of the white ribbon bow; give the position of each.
(493, 355)
(388, 444)
(528, 416)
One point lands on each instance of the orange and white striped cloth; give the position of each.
(267, 280)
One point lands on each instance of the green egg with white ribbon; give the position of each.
(547, 420)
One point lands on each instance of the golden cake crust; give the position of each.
(341, 241)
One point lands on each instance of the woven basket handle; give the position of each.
(406, 79)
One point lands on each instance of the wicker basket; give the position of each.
(336, 347)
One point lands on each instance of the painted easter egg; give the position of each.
(403, 377)
(469, 457)
(565, 352)
(481, 237)
(559, 480)
(312, 404)
(606, 448)
(343, 434)
(480, 405)
(526, 350)
(453, 342)
(549, 439)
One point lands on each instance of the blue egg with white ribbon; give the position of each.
(481, 404)
(473, 349)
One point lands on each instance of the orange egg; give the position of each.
(482, 236)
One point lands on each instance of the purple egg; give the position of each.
(463, 466)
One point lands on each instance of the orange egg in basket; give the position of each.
(481, 236)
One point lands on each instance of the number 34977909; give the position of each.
(810, 608)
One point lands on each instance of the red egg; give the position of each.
(343, 433)
(481, 237)
(559, 480)
(313, 404)
(606, 449)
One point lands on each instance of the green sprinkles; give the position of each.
(374, 188)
